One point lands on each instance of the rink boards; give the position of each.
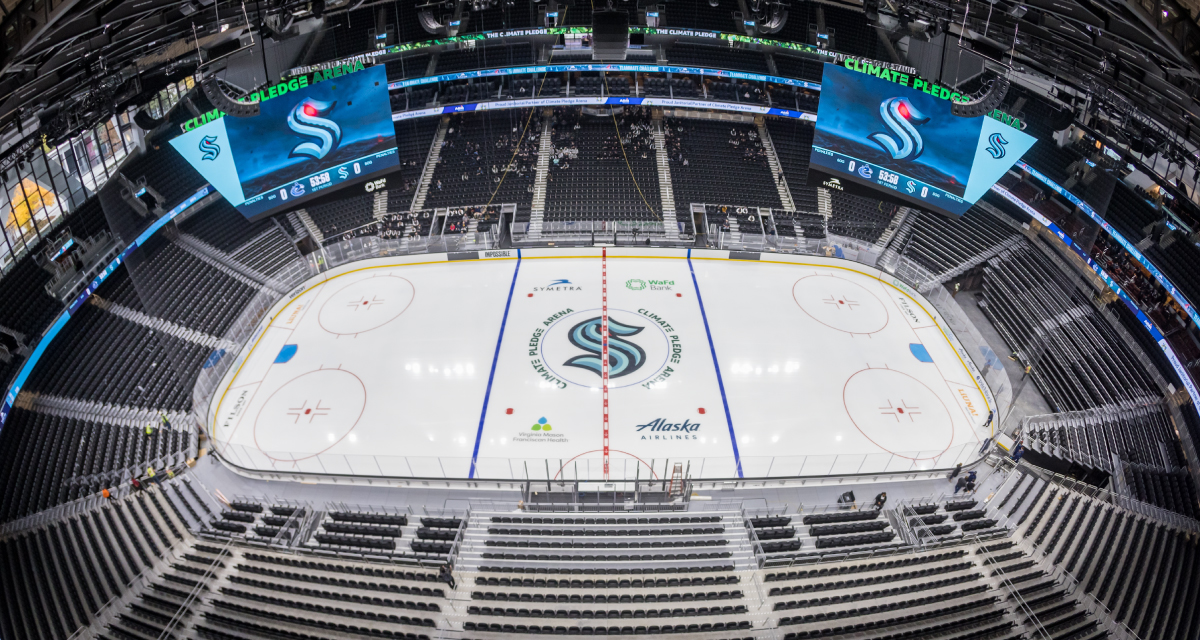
(493, 367)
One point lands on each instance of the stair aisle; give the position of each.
(313, 229)
(545, 149)
(665, 190)
(785, 193)
(381, 200)
(431, 161)
(824, 203)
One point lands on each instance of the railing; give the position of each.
(717, 469)
(1057, 572)
(1083, 420)
(741, 241)
(916, 536)
(987, 363)
(594, 231)
(63, 511)
(302, 514)
(760, 556)
(267, 464)
(239, 332)
(1015, 594)
(396, 226)
(1163, 516)
(194, 593)
(106, 612)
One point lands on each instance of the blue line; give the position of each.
(495, 358)
(737, 457)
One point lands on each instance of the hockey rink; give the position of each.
(493, 368)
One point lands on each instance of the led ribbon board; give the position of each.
(311, 135)
(889, 135)
(627, 68)
(601, 100)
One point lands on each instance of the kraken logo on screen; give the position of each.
(996, 146)
(624, 357)
(902, 118)
(209, 147)
(307, 119)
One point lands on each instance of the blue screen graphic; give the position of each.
(301, 144)
(877, 133)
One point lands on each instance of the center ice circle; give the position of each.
(317, 409)
(638, 348)
(893, 409)
(366, 304)
(840, 304)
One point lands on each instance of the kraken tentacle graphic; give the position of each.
(306, 119)
(624, 357)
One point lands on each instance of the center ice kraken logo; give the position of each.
(566, 349)
(624, 357)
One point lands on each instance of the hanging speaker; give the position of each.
(221, 100)
(146, 121)
(984, 104)
(610, 35)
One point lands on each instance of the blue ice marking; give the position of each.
(920, 352)
(286, 353)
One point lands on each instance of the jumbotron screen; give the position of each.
(884, 134)
(311, 134)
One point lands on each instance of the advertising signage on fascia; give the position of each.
(1183, 373)
(1129, 247)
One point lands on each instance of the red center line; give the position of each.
(604, 350)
